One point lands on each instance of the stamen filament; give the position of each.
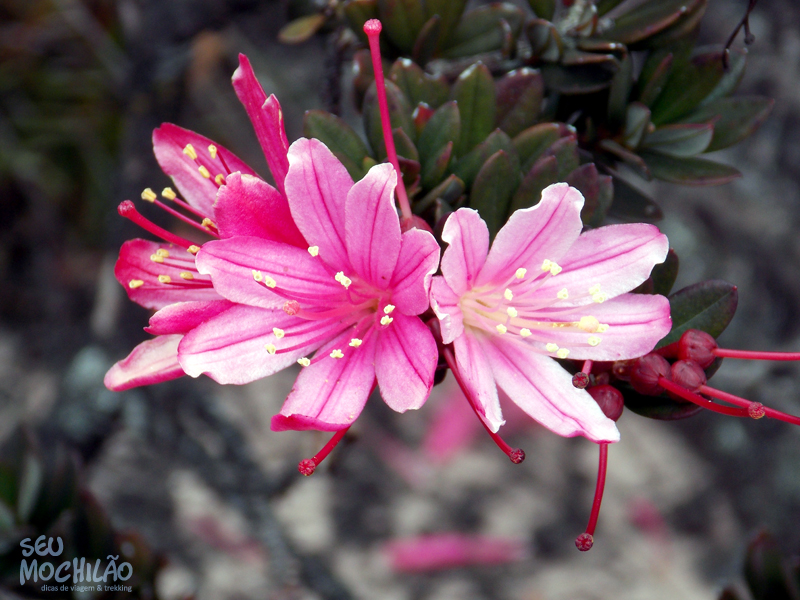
(128, 210)
(182, 217)
(309, 465)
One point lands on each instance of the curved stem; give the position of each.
(681, 391)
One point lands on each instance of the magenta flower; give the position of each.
(546, 291)
(351, 296)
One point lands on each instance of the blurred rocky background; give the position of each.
(186, 477)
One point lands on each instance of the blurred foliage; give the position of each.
(769, 574)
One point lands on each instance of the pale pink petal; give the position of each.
(405, 362)
(636, 323)
(248, 205)
(544, 390)
(330, 394)
(439, 551)
(445, 304)
(135, 264)
(418, 261)
(477, 377)
(169, 142)
(617, 258)
(468, 242)
(267, 118)
(372, 228)
(317, 185)
(232, 347)
(182, 317)
(150, 362)
(531, 235)
(231, 263)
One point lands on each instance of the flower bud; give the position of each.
(609, 399)
(688, 374)
(646, 372)
(698, 346)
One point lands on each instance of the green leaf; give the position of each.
(544, 9)
(402, 21)
(653, 77)
(604, 6)
(358, 12)
(519, 100)
(683, 139)
(683, 28)
(532, 143)
(632, 205)
(363, 75)
(734, 119)
(631, 159)
(494, 186)
(399, 116)
(450, 190)
(688, 171)
(468, 166)
(637, 120)
(566, 152)
(337, 135)
(474, 92)
(481, 30)
(30, 485)
(580, 79)
(766, 571)
(449, 11)
(541, 174)
(404, 146)
(647, 19)
(708, 306)
(665, 274)
(546, 42)
(620, 91)
(428, 40)
(443, 127)
(589, 183)
(301, 29)
(730, 79)
(435, 167)
(417, 86)
(661, 408)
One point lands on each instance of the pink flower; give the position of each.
(440, 551)
(546, 291)
(352, 296)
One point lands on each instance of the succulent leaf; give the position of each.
(417, 85)
(632, 205)
(647, 19)
(682, 139)
(475, 93)
(734, 119)
(399, 116)
(544, 9)
(467, 166)
(402, 21)
(339, 137)
(708, 306)
(532, 143)
(519, 100)
(543, 173)
(481, 30)
(493, 189)
(688, 171)
(443, 127)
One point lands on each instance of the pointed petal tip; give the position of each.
(297, 422)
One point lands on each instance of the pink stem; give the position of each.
(307, 466)
(587, 367)
(681, 391)
(598, 490)
(183, 218)
(744, 403)
(128, 210)
(756, 355)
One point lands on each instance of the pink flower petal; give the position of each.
(182, 317)
(637, 322)
(169, 142)
(135, 265)
(453, 427)
(372, 228)
(544, 390)
(231, 263)
(329, 394)
(150, 362)
(531, 235)
(247, 205)
(476, 372)
(267, 118)
(445, 304)
(618, 257)
(439, 551)
(405, 361)
(418, 261)
(317, 185)
(468, 243)
(231, 347)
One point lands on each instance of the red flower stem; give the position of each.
(681, 391)
(516, 455)
(128, 210)
(756, 355)
(744, 403)
(587, 367)
(307, 466)
(598, 490)
(373, 29)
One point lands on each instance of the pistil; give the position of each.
(309, 465)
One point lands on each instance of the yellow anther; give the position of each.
(501, 329)
(162, 252)
(258, 275)
(169, 193)
(594, 289)
(212, 150)
(555, 269)
(511, 311)
(520, 273)
(593, 340)
(279, 333)
(204, 172)
(602, 328)
(547, 265)
(313, 250)
(186, 275)
(193, 249)
(271, 348)
(303, 362)
(589, 324)
(208, 223)
(269, 281)
(343, 279)
(385, 320)
(562, 353)
(563, 294)
(337, 354)
(135, 283)
(355, 342)
(189, 151)
(164, 279)
(157, 258)
(219, 179)
(149, 195)
(551, 347)
(508, 294)
(388, 309)
(524, 332)
(599, 297)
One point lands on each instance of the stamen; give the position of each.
(603, 327)
(219, 179)
(193, 249)
(307, 466)
(388, 309)
(343, 279)
(279, 333)
(169, 193)
(156, 258)
(524, 332)
(520, 273)
(135, 283)
(303, 362)
(585, 541)
(547, 265)
(501, 329)
(186, 275)
(512, 312)
(385, 320)
(373, 29)
(337, 353)
(355, 342)
(563, 294)
(562, 353)
(149, 195)
(189, 151)
(313, 250)
(551, 347)
(508, 295)
(271, 348)
(258, 275)
(128, 210)
(593, 340)
(212, 150)
(164, 279)
(209, 224)
(204, 172)
(269, 281)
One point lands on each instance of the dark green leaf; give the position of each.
(544, 9)
(428, 40)
(339, 137)
(494, 186)
(708, 306)
(444, 126)
(637, 120)
(730, 78)
(632, 205)
(532, 143)
(661, 408)
(449, 11)
(603, 6)
(519, 100)
(450, 190)
(688, 171)
(399, 116)
(581, 79)
(566, 152)
(684, 27)
(418, 86)
(734, 119)
(402, 21)
(404, 146)
(474, 92)
(546, 42)
(665, 274)
(766, 571)
(358, 12)
(683, 139)
(468, 166)
(301, 29)
(31, 479)
(435, 167)
(481, 30)
(363, 75)
(542, 173)
(647, 19)
(589, 183)
(631, 159)
(652, 79)
(620, 91)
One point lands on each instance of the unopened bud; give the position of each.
(609, 399)
(646, 372)
(698, 346)
(688, 374)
